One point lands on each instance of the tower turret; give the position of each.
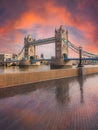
(29, 47)
(61, 43)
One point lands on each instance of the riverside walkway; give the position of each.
(63, 104)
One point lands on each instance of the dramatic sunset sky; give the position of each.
(39, 18)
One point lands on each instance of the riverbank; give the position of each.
(10, 79)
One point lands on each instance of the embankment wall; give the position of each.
(7, 80)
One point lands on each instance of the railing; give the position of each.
(81, 58)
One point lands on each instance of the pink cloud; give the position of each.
(47, 19)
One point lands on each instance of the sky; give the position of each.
(18, 18)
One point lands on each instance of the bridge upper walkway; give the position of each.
(43, 41)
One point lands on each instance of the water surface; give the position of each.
(64, 104)
(17, 69)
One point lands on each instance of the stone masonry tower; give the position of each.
(61, 48)
(29, 49)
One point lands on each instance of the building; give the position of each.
(5, 57)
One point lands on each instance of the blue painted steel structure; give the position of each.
(59, 38)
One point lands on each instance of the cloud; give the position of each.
(40, 19)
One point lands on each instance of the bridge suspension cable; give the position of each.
(20, 53)
(76, 49)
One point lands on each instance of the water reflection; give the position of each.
(62, 89)
(62, 92)
(17, 69)
(35, 106)
(81, 80)
(24, 89)
(81, 83)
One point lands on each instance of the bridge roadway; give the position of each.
(70, 45)
(43, 41)
(81, 59)
(67, 59)
(50, 60)
(52, 40)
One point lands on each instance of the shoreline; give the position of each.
(15, 79)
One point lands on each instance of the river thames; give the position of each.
(64, 104)
(17, 69)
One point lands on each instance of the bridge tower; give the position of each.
(29, 48)
(61, 48)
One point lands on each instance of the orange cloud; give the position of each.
(27, 20)
(47, 19)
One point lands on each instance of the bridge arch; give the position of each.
(65, 56)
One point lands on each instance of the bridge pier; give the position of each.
(80, 57)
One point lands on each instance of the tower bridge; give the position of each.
(62, 44)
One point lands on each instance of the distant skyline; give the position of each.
(39, 18)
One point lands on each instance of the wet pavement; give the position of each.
(64, 104)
